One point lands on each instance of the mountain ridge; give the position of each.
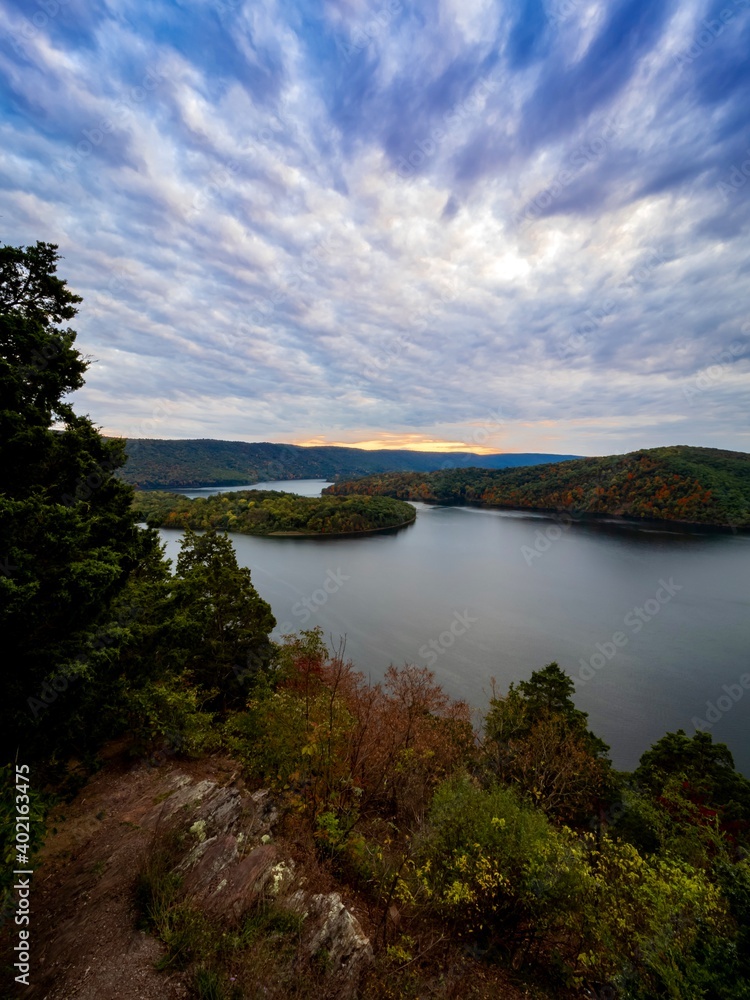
(164, 463)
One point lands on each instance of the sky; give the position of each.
(494, 225)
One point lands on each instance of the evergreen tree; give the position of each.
(706, 769)
(538, 740)
(68, 537)
(222, 624)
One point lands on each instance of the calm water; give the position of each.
(464, 592)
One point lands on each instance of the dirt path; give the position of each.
(85, 941)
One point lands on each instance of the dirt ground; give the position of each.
(85, 941)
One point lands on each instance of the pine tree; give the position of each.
(68, 537)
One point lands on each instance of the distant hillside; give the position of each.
(694, 485)
(155, 464)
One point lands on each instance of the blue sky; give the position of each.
(512, 225)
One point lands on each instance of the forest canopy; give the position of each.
(681, 484)
(268, 512)
(155, 464)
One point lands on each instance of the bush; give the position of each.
(165, 717)
(333, 742)
(489, 861)
(500, 872)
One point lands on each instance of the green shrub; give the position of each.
(166, 715)
(602, 913)
(488, 860)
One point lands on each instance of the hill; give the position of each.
(267, 512)
(157, 464)
(681, 484)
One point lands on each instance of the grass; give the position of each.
(268, 921)
(212, 985)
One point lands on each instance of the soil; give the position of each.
(85, 940)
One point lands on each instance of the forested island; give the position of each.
(703, 486)
(170, 464)
(202, 811)
(270, 512)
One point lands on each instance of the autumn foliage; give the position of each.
(692, 485)
(272, 512)
(331, 740)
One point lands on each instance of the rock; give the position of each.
(330, 927)
(229, 890)
(277, 879)
(231, 864)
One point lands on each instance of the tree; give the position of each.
(707, 771)
(223, 625)
(550, 690)
(538, 740)
(68, 537)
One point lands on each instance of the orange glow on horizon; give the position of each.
(407, 442)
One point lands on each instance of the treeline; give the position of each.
(267, 512)
(692, 485)
(157, 464)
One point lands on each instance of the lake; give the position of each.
(653, 625)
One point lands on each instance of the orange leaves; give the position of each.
(399, 739)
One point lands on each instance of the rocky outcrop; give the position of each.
(232, 864)
(221, 838)
(332, 930)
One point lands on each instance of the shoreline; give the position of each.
(624, 520)
(579, 516)
(333, 534)
(296, 534)
(222, 485)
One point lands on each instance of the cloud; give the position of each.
(377, 222)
